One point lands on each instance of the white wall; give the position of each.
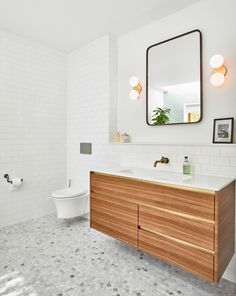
(90, 88)
(32, 126)
(215, 19)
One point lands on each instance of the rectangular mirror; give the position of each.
(174, 80)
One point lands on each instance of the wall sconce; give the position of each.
(218, 70)
(136, 88)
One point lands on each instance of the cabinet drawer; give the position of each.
(115, 218)
(190, 201)
(190, 230)
(184, 256)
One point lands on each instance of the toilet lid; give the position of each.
(68, 192)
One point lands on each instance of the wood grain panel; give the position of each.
(199, 203)
(196, 232)
(123, 213)
(116, 218)
(184, 256)
(225, 229)
(123, 234)
(192, 228)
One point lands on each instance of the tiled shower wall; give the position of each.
(32, 126)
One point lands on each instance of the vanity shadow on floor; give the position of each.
(50, 257)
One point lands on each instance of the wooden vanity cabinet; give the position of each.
(189, 227)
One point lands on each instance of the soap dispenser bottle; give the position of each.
(186, 166)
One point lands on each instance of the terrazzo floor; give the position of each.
(50, 257)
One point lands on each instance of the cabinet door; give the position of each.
(182, 255)
(115, 218)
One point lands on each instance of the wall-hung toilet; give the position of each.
(71, 202)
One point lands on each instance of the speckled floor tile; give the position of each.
(50, 257)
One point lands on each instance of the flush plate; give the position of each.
(85, 148)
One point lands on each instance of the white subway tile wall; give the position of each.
(89, 77)
(32, 126)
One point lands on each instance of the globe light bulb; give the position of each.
(134, 94)
(216, 61)
(134, 81)
(217, 79)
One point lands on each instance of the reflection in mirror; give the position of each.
(174, 80)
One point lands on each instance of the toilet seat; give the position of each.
(68, 192)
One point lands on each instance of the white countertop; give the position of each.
(215, 183)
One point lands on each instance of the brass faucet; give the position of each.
(162, 160)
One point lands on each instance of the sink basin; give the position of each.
(156, 175)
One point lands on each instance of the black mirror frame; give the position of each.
(201, 80)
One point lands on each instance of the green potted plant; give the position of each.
(160, 116)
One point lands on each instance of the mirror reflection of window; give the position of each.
(174, 86)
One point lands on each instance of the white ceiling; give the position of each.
(68, 24)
